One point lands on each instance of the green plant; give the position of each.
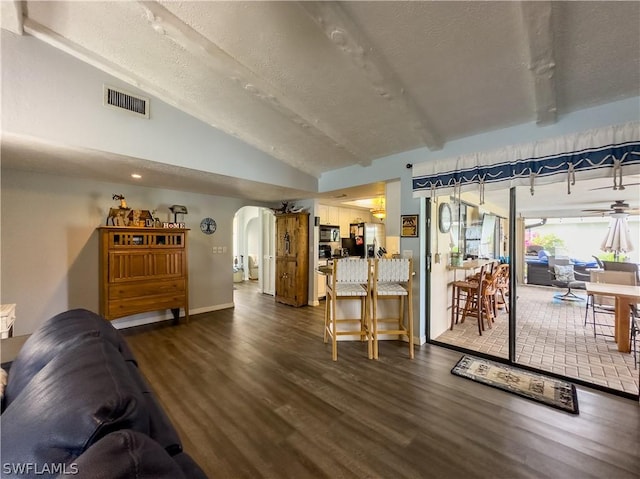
(612, 257)
(549, 241)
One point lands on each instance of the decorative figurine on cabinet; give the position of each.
(118, 216)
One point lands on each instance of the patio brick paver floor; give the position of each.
(551, 335)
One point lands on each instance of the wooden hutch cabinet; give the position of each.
(292, 258)
(143, 269)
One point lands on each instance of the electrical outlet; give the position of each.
(224, 249)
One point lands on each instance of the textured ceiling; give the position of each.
(324, 85)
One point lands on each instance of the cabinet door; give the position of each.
(323, 213)
(322, 285)
(283, 231)
(286, 280)
(334, 215)
(346, 218)
(293, 235)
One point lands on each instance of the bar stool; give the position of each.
(502, 284)
(350, 280)
(479, 295)
(463, 291)
(392, 279)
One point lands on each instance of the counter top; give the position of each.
(327, 270)
(472, 264)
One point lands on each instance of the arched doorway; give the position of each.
(253, 247)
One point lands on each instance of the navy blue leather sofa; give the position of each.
(76, 404)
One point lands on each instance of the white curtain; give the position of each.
(613, 152)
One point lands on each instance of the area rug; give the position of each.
(552, 392)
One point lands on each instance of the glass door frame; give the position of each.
(511, 359)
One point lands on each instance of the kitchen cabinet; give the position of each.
(292, 258)
(329, 215)
(352, 215)
(323, 214)
(333, 215)
(321, 279)
(343, 217)
(141, 270)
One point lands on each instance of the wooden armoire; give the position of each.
(292, 258)
(143, 269)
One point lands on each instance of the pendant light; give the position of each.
(379, 212)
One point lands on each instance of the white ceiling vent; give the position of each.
(122, 100)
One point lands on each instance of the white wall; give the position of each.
(583, 236)
(49, 244)
(50, 95)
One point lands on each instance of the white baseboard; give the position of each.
(146, 318)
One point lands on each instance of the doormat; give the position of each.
(552, 392)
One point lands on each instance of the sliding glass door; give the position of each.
(464, 315)
(561, 248)
(545, 328)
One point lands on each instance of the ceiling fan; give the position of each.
(619, 207)
(635, 181)
(615, 187)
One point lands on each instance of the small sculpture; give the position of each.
(118, 215)
(123, 203)
(288, 208)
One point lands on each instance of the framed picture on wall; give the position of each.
(409, 226)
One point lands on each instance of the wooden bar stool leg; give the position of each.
(367, 306)
(410, 325)
(363, 313)
(334, 328)
(454, 306)
(327, 311)
(374, 314)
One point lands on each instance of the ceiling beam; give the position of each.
(166, 23)
(11, 15)
(89, 57)
(536, 20)
(343, 32)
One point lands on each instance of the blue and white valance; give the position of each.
(612, 152)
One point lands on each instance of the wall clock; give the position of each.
(208, 226)
(444, 218)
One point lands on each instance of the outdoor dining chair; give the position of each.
(603, 307)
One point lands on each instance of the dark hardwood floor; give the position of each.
(254, 393)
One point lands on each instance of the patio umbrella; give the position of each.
(618, 238)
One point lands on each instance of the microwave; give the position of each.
(329, 234)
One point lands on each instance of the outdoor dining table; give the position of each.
(624, 297)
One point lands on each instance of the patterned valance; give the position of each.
(612, 152)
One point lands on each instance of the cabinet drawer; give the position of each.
(126, 307)
(137, 289)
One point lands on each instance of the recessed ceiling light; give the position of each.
(136, 176)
